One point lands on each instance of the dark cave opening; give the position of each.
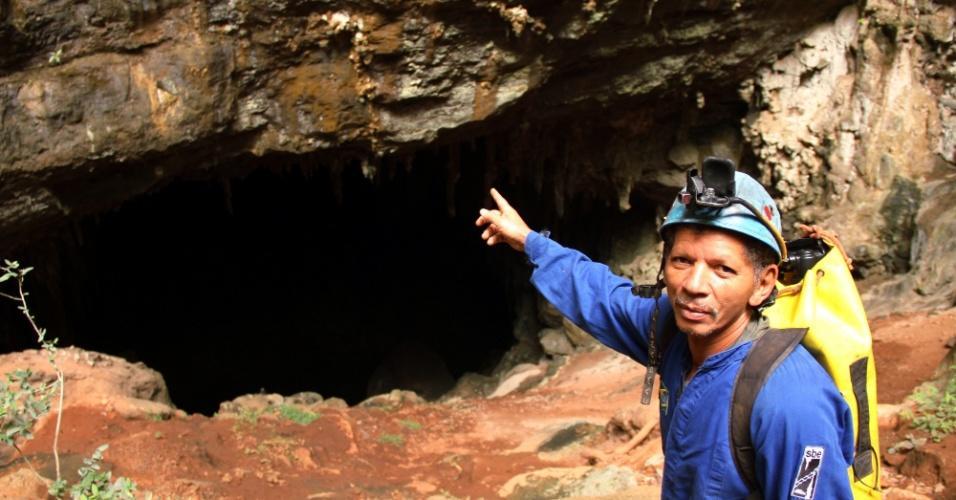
(301, 277)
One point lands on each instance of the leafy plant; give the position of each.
(410, 424)
(297, 415)
(157, 417)
(22, 403)
(392, 439)
(96, 484)
(11, 270)
(56, 58)
(248, 416)
(936, 409)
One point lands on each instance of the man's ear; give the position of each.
(765, 283)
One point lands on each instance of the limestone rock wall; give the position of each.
(854, 129)
(846, 110)
(101, 101)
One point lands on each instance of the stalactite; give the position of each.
(308, 165)
(226, 184)
(369, 169)
(560, 181)
(490, 167)
(388, 168)
(451, 179)
(335, 175)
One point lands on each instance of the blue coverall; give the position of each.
(798, 418)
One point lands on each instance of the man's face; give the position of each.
(710, 281)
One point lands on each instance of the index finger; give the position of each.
(499, 200)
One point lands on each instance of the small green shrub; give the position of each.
(297, 415)
(56, 58)
(392, 439)
(21, 404)
(96, 484)
(249, 416)
(936, 409)
(410, 424)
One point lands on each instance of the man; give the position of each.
(719, 266)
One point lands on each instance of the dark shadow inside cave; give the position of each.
(300, 277)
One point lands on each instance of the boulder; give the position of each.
(519, 379)
(99, 381)
(891, 416)
(524, 351)
(393, 399)
(471, 385)
(554, 342)
(250, 403)
(334, 403)
(568, 435)
(580, 338)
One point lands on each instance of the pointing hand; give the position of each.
(504, 224)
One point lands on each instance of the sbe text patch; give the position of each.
(805, 486)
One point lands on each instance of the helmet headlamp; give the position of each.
(714, 187)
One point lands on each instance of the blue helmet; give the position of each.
(741, 205)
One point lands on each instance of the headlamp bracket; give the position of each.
(713, 187)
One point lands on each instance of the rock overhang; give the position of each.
(124, 97)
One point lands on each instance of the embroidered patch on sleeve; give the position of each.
(805, 486)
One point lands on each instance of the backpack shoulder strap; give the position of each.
(766, 354)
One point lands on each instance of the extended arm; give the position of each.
(588, 293)
(593, 297)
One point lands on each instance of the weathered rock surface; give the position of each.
(393, 399)
(98, 381)
(554, 342)
(103, 101)
(472, 385)
(848, 111)
(854, 131)
(520, 378)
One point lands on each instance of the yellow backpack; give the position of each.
(826, 302)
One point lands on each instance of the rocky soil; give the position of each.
(569, 427)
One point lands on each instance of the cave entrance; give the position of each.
(292, 275)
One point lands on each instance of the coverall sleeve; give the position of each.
(803, 434)
(592, 297)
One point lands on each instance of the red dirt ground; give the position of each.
(908, 350)
(463, 449)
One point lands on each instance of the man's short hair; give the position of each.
(759, 254)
